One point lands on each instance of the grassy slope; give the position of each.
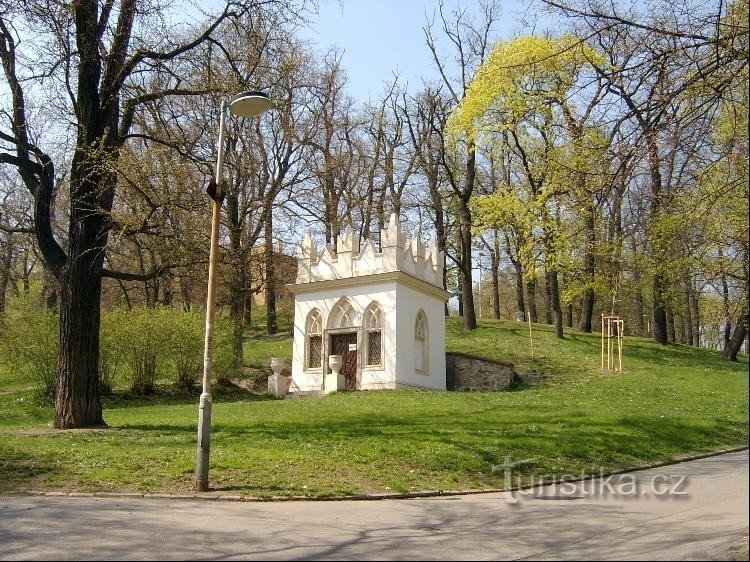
(670, 401)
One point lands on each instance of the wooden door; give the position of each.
(346, 346)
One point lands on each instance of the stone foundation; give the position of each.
(469, 372)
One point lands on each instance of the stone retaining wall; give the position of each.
(469, 372)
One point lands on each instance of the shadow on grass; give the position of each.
(439, 444)
(167, 396)
(20, 469)
(674, 354)
(615, 440)
(469, 454)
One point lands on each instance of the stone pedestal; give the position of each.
(334, 381)
(278, 384)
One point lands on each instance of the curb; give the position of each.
(381, 496)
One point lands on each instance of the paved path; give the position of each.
(699, 517)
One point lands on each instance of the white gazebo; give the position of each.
(382, 312)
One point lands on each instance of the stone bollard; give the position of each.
(278, 384)
(334, 381)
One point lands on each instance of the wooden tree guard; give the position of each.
(612, 326)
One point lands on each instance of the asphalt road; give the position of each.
(695, 510)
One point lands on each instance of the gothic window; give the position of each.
(420, 343)
(373, 323)
(314, 332)
(343, 315)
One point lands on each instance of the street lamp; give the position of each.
(245, 104)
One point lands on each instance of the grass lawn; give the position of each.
(671, 401)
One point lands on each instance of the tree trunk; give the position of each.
(735, 342)
(92, 184)
(554, 291)
(467, 288)
(531, 299)
(688, 315)
(271, 320)
(660, 311)
(125, 294)
(547, 299)
(695, 314)
(669, 315)
(187, 301)
(77, 402)
(520, 305)
(167, 294)
(50, 288)
(460, 290)
(26, 272)
(569, 322)
(659, 284)
(495, 264)
(5, 264)
(237, 281)
(680, 322)
(725, 306)
(587, 308)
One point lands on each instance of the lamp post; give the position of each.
(245, 104)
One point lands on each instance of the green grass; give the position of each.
(670, 401)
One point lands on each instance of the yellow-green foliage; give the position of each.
(523, 91)
(519, 76)
(29, 343)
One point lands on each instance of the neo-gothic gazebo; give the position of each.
(382, 312)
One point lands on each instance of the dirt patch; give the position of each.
(255, 384)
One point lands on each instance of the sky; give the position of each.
(379, 37)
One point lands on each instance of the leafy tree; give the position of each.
(91, 60)
(517, 102)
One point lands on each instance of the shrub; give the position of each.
(112, 335)
(144, 342)
(224, 366)
(185, 330)
(156, 343)
(29, 342)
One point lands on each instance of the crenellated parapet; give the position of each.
(348, 260)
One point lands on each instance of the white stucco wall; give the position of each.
(360, 297)
(404, 278)
(399, 305)
(410, 301)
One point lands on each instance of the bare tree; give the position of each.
(470, 42)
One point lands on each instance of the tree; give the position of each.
(518, 102)
(91, 58)
(471, 42)
(425, 118)
(673, 63)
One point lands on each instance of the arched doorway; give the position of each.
(343, 329)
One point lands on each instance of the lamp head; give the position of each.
(250, 103)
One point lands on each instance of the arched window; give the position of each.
(314, 334)
(420, 343)
(343, 315)
(373, 324)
